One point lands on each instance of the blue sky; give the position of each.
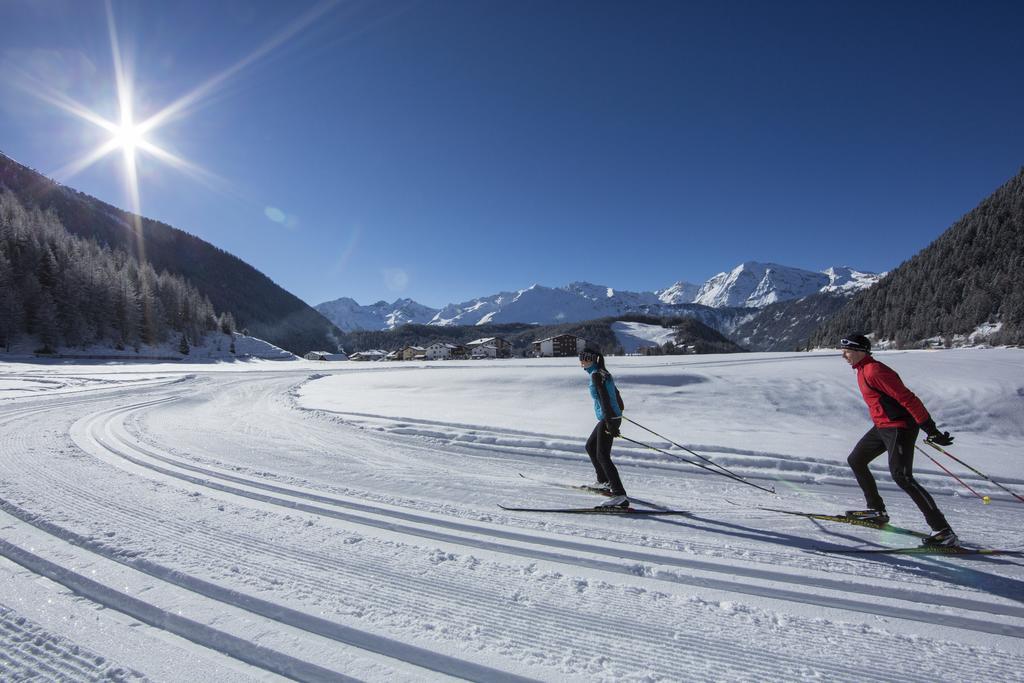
(446, 149)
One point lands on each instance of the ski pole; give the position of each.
(677, 445)
(951, 474)
(728, 474)
(979, 473)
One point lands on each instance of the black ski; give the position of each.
(599, 511)
(921, 550)
(563, 485)
(843, 519)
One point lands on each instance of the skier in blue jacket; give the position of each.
(609, 416)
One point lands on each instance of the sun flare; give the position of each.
(132, 136)
(128, 137)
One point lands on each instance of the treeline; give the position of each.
(62, 290)
(424, 335)
(969, 276)
(689, 332)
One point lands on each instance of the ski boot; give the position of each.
(878, 517)
(620, 501)
(945, 538)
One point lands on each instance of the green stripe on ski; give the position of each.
(843, 519)
(921, 550)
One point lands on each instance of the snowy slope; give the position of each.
(311, 521)
(213, 346)
(634, 336)
(679, 293)
(847, 280)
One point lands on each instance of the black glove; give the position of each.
(611, 425)
(934, 435)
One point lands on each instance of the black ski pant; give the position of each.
(599, 448)
(899, 443)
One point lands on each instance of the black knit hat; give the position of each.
(590, 356)
(856, 342)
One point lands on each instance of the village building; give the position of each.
(502, 347)
(414, 353)
(442, 351)
(325, 355)
(484, 351)
(559, 346)
(372, 354)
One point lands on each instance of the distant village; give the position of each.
(563, 345)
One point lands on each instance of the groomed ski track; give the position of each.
(274, 541)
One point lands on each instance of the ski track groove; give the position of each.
(187, 461)
(27, 650)
(525, 625)
(928, 599)
(528, 634)
(304, 559)
(102, 506)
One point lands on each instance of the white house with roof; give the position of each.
(325, 355)
(562, 345)
(414, 353)
(502, 347)
(484, 351)
(371, 354)
(440, 351)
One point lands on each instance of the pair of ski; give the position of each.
(842, 519)
(911, 550)
(632, 511)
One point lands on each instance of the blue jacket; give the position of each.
(602, 390)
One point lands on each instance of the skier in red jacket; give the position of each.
(899, 416)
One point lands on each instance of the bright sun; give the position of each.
(128, 137)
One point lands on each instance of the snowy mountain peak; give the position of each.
(753, 284)
(680, 293)
(349, 315)
(750, 285)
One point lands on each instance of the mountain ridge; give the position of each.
(752, 284)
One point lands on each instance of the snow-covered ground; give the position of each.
(635, 336)
(338, 521)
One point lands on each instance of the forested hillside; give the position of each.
(969, 276)
(787, 325)
(233, 286)
(61, 290)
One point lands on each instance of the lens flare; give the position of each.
(131, 136)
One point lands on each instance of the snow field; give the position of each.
(345, 516)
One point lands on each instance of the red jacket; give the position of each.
(890, 403)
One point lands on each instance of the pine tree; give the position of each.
(46, 324)
(8, 323)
